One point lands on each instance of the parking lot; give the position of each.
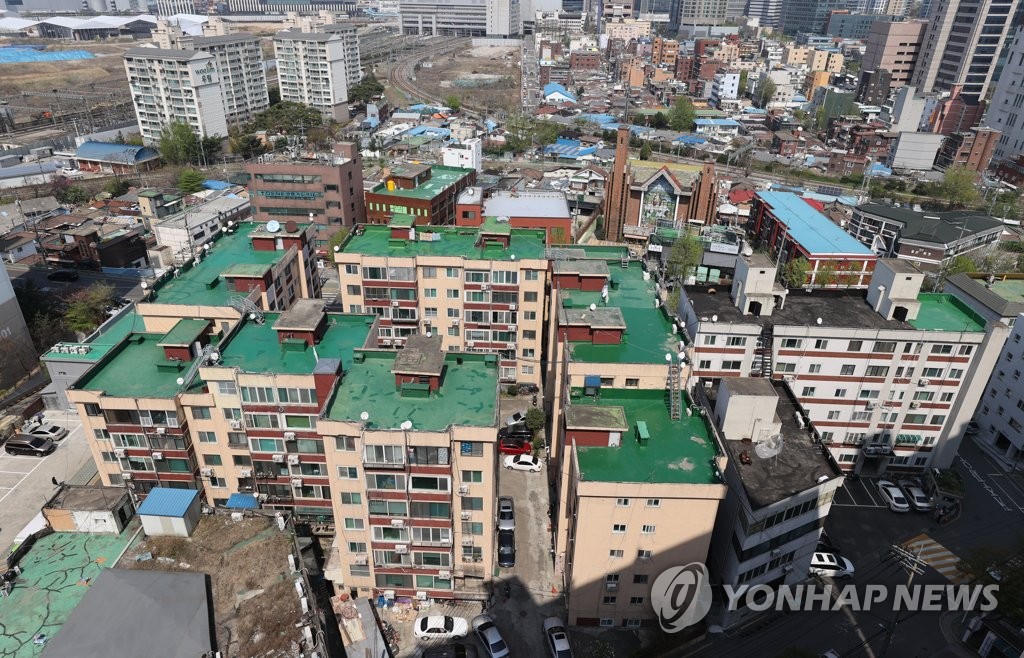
(27, 482)
(858, 493)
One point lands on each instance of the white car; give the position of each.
(917, 497)
(490, 636)
(832, 565)
(892, 496)
(558, 638)
(515, 419)
(440, 627)
(47, 431)
(506, 514)
(522, 463)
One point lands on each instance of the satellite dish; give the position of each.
(593, 307)
(214, 357)
(273, 226)
(769, 447)
(818, 321)
(407, 425)
(364, 416)
(714, 318)
(144, 285)
(181, 381)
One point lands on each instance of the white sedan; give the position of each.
(440, 627)
(522, 463)
(490, 637)
(48, 431)
(892, 496)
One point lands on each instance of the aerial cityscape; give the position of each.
(498, 328)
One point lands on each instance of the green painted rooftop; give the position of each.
(137, 368)
(492, 225)
(100, 344)
(56, 573)
(185, 332)
(202, 285)
(678, 451)
(468, 395)
(441, 178)
(402, 220)
(648, 334)
(1012, 290)
(255, 348)
(376, 240)
(942, 312)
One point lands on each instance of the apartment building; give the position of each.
(315, 68)
(323, 188)
(895, 47)
(327, 22)
(480, 290)
(726, 86)
(503, 18)
(971, 149)
(888, 380)
(1005, 110)
(1000, 418)
(428, 193)
(664, 52)
(631, 455)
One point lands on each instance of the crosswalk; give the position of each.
(937, 557)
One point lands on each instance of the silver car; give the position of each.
(490, 636)
(506, 514)
(48, 431)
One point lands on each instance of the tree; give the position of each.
(684, 255)
(337, 239)
(535, 418)
(961, 264)
(659, 121)
(274, 95)
(191, 181)
(365, 90)
(645, 151)
(244, 145)
(681, 116)
(826, 275)
(64, 191)
(453, 102)
(794, 273)
(766, 93)
(957, 188)
(87, 308)
(286, 117)
(178, 144)
(744, 75)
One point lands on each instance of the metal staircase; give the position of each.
(193, 370)
(246, 306)
(624, 262)
(763, 354)
(673, 386)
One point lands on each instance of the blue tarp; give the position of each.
(490, 125)
(690, 140)
(569, 149)
(216, 185)
(599, 119)
(242, 501)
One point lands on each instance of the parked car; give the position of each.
(514, 447)
(47, 431)
(558, 638)
(522, 463)
(26, 444)
(440, 627)
(63, 275)
(918, 499)
(506, 514)
(451, 651)
(892, 496)
(490, 636)
(506, 548)
(516, 419)
(831, 565)
(520, 432)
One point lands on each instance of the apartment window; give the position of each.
(429, 272)
(736, 341)
(622, 502)
(345, 443)
(451, 272)
(618, 527)
(847, 370)
(384, 454)
(608, 600)
(654, 502)
(354, 290)
(213, 460)
(821, 344)
(385, 481)
(348, 472)
(471, 449)
(428, 483)
(814, 369)
(472, 476)
(93, 409)
(387, 508)
(632, 382)
(868, 395)
(529, 297)
(855, 346)
(207, 437)
(877, 371)
(227, 388)
(833, 415)
(644, 554)
(915, 419)
(201, 413)
(232, 414)
(640, 579)
(531, 275)
(351, 498)
(932, 372)
(104, 435)
(808, 391)
(942, 349)
(648, 529)
(353, 523)
(785, 367)
(884, 346)
(937, 419)
(840, 393)
(605, 622)
(452, 293)
(827, 436)
(704, 364)
(957, 373)
(615, 553)
(709, 340)
(792, 343)
(636, 600)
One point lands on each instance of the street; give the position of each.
(124, 286)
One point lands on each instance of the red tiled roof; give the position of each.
(817, 205)
(741, 196)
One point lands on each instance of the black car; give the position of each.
(516, 433)
(63, 275)
(506, 548)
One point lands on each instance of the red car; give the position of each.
(514, 447)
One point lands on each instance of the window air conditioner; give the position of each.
(278, 459)
(401, 549)
(293, 460)
(206, 472)
(158, 456)
(120, 453)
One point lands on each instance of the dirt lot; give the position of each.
(255, 600)
(485, 77)
(105, 71)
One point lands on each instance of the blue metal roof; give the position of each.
(162, 501)
(569, 148)
(112, 152)
(242, 501)
(717, 122)
(809, 228)
(690, 139)
(555, 88)
(216, 185)
(599, 119)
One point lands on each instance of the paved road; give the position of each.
(124, 286)
(26, 482)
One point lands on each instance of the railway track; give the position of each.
(401, 74)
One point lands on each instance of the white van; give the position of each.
(832, 565)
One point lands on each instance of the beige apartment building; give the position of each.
(480, 290)
(894, 46)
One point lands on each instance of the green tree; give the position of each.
(286, 117)
(744, 75)
(546, 132)
(87, 308)
(659, 121)
(117, 187)
(645, 151)
(826, 275)
(682, 115)
(961, 264)
(794, 273)
(958, 188)
(766, 92)
(65, 191)
(274, 95)
(453, 102)
(365, 90)
(245, 145)
(684, 255)
(337, 239)
(178, 144)
(191, 181)
(535, 418)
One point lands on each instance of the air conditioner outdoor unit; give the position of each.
(293, 460)
(278, 459)
(924, 382)
(161, 430)
(262, 497)
(789, 379)
(466, 516)
(444, 574)
(777, 552)
(206, 472)
(872, 405)
(463, 489)
(510, 346)
(915, 405)
(512, 307)
(289, 436)
(158, 456)
(485, 286)
(360, 561)
(296, 482)
(421, 596)
(389, 594)
(467, 541)
(120, 452)
(394, 303)
(397, 523)
(245, 473)
(126, 476)
(236, 424)
(611, 587)
(401, 549)
(470, 343)
(513, 327)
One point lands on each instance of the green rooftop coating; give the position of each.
(468, 395)
(376, 240)
(185, 332)
(255, 347)
(678, 451)
(942, 312)
(441, 178)
(100, 344)
(1012, 290)
(247, 269)
(648, 334)
(492, 225)
(137, 368)
(202, 285)
(402, 220)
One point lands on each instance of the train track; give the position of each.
(401, 75)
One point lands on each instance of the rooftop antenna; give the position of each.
(770, 447)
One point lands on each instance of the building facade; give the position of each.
(427, 193)
(971, 149)
(1004, 114)
(433, 18)
(318, 69)
(894, 46)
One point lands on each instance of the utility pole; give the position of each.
(914, 565)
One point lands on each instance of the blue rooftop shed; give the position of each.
(170, 512)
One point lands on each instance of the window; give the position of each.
(348, 472)
(709, 340)
(431, 510)
(232, 414)
(840, 392)
(860, 416)
(605, 622)
(942, 349)
(227, 388)
(260, 394)
(914, 419)
(640, 579)
(207, 437)
(827, 436)
(104, 435)
(451, 272)
(855, 346)
(472, 476)
(785, 367)
(201, 413)
(937, 419)
(472, 503)
(704, 364)
(471, 449)
(529, 297)
(808, 391)
(352, 523)
(636, 600)
(351, 498)
(387, 508)
(384, 455)
(884, 346)
(814, 369)
(644, 554)
(821, 344)
(877, 371)
(833, 415)
(847, 370)
(731, 365)
(297, 395)
(622, 502)
(648, 529)
(608, 600)
(791, 343)
(385, 481)
(618, 527)
(868, 395)
(654, 502)
(432, 535)
(531, 275)
(429, 272)
(615, 553)
(93, 409)
(736, 341)
(212, 460)
(632, 382)
(957, 373)
(345, 443)
(452, 293)
(932, 372)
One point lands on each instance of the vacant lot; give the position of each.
(483, 78)
(104, 73)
